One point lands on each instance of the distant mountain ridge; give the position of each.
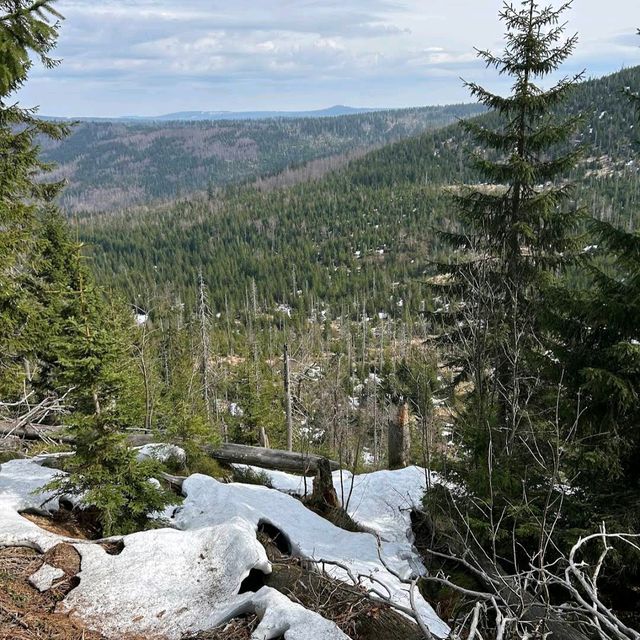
(213, 116)
(330, 112)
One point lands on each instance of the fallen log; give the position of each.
(34, 431)
(290, 461)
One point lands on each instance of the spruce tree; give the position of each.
(51, 314)
(598, 350)
(89, 358)
(516, 235)
(28, 31)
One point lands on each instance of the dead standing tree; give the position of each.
(286, 376)
(205, 346)
(400, 437)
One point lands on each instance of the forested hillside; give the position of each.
(396, 400)
(361, 237)
(111, 165)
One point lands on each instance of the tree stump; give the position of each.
(399, 439)
(324, 493)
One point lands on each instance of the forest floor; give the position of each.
(283, 523)
(27, 614)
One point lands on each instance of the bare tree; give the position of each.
(286, 375)
(205, 344)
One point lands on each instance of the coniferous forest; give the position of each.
(374, 375)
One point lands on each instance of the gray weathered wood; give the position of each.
(291, 461)
(34, 431)
(229, 453)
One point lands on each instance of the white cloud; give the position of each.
(151, 56)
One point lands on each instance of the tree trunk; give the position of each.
(400, 439)
(287, 392)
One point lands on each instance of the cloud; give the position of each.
(152, 56)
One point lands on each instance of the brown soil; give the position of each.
(82, 524)
(27, 614)
(237, 629)
(63, 523)
(65, 557)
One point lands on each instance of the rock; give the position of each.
(45, 576)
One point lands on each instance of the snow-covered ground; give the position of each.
(161, 452)
(163, 583)
(168, 583)
(20, 481)
(185, 579)
(380, 502)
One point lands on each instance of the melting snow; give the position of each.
(173, 581)
(381, 502)
(20, 481)
(161, 452)
(165, 582)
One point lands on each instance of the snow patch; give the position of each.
(381, 501)
(167, 582)
(280, 616)
(161, 452)
(21, 482)
(210, 503)
(45, 576)
(164, 583)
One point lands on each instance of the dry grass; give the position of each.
(27, 614)
(237, 629)
(61, 523)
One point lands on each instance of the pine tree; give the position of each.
(28, 29)
(516, 235)
(598, 351)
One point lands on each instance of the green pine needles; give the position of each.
(58, 334)
(518, 227)
(517, 234)
(25, 30)
(597, 336)
(91, 361)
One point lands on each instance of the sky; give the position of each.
(151, 57)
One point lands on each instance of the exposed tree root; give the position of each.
(357, 615)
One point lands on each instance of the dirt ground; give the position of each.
(27, 614)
